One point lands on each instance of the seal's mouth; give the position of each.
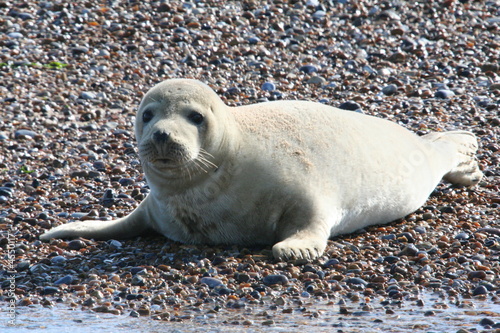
(169, 163)
(177, 159)
(163, 161)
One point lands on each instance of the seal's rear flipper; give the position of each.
(465, 170)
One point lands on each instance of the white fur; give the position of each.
(288, 173)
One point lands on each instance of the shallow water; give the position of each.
(436, 315)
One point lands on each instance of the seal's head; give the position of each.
(181, 128)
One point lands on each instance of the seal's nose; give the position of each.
(161, 136)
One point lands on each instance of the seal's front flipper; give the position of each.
(132, 225)
(302, 245)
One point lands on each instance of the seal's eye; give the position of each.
(147, 115)
(196, 118)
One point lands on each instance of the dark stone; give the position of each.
(308, 69)
(486, 322)
(76, 244)
(49, 290)
(135, 270)
(350, 105)
(65, 280)
(409, 250)
(389, 90)
(391, 259)
(275, 279)
(481, 290)
(356, 281)
(6, 192)
(126, 181)
(331, 262)
(79, 50)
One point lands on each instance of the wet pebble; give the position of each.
(49, 290)
(211, 282)
(486, 322)
(480, 290)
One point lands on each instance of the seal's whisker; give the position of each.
(204, 156)
(200, 165)
(204, 152)
(205, 162)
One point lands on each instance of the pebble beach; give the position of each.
(71, 78)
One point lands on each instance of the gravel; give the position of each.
(72, 76)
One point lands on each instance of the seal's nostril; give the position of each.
(161, 136)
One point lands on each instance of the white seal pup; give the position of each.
(288, 173)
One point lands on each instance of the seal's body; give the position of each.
(288, 173)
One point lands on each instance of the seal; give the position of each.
(290, 174)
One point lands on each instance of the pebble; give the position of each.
(79, 50)
(6, 192)
(273, 279)
(444, 94)
(137, 270)
(253, 40)
(409, 250)
(22, 266)
(49, 290)
(308, 69)
(68, 279)
(15, 35)
(486, 322)
(58, 260)
(25, 133)
(389, 90)
(88, 95)
(462, 236)
(268, 86)
(481, 290)
(138, 280)
(356, 281)
(211, 282)
(316, 80)
(76, 244)
(126, 181)
(114, 244)
(350, 105)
